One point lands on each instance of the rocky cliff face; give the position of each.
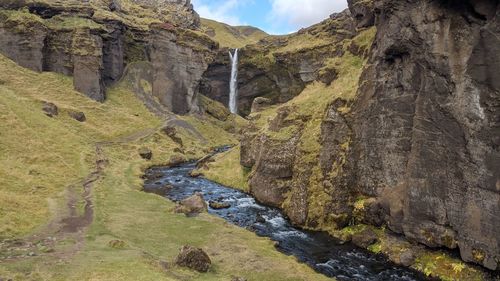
(416, 147)
(94, 40)
(426, 127)
(278, 68)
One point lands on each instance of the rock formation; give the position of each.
(94, 40)
(426, 124)
(419, 141)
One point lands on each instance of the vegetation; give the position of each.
(231, 36)
(133, 235)
(226, 170)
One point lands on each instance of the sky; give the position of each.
(272, 16)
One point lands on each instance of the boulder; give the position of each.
(78, 116)
(50, 109)
(192, 205)
(176, 160)
(407, 258)
(364, 238)
(117, 244)
(193, 258)
(145, 153)
(219, 205)
(260, 104)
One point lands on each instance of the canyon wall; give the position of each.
(426, 124)
(94, 41)
(418, 145)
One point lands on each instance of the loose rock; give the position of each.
(407, 258)
(78, 116)
(364, 238)
(192, 205)
(219, 205)
(146, 153)
(193, 258)
(50, 109)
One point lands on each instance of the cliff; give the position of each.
(94, 41)
(393, 122)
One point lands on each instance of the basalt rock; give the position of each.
(193, 258)
(178, 68)
(363, 12)
(95, 47)
(50, 109)
(78, 116)
(426, 124)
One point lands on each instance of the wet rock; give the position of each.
(50, 109)
(193, 258)
(146, 153)
(407, 258)
(364, 238)
(195, 174)
(78, 116)
(192, 205)
(260, 219)
(219, 205)
(260, 104)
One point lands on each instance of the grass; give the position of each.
(226, 170)
(41, 156)
(232, 36)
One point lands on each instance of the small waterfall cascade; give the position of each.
(233, 83)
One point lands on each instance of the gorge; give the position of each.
(378, 127)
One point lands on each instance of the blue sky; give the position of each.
(272, 16)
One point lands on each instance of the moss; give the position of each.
(440, 265)
(478, 255)
(375, 248)
(64, 23)
(21, 21)
(85, 44)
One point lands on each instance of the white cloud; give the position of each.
(222, 11)
(303, 13)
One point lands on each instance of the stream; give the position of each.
(319, 250)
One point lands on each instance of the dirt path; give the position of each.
(72, 222)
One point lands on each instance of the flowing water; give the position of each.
(233, 83)
(320, 251)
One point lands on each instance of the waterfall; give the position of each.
(233, 83)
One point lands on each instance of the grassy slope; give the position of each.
(232, 36)
(40, 156)
(226, 170)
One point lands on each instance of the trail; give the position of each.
(72, 222)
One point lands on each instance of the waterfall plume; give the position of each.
(233, 83)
